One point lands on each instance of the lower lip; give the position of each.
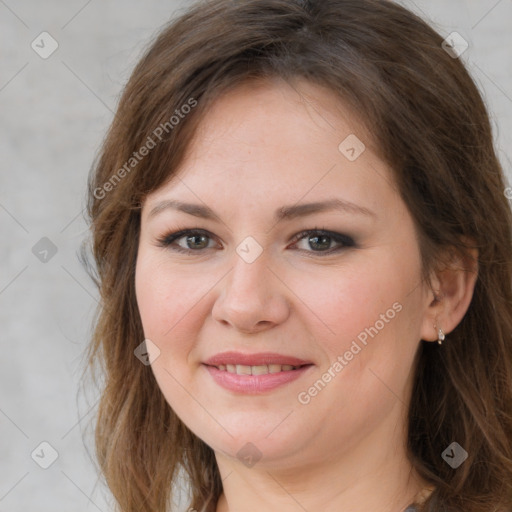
(254, 384)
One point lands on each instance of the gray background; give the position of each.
(54, 113)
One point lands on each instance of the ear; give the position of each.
(453, 287)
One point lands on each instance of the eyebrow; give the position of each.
(283, 213)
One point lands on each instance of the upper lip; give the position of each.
(259, 359)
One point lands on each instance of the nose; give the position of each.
(251, 298)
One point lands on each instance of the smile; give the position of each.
(257, 379)
(241, 369)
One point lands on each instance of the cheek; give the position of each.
(343, 302)
(153, 291)
(169, 306)
(363, 314)
(168, 299)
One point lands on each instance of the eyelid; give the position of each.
(167, 240)
(322, 231)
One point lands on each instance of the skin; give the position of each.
(260, 147)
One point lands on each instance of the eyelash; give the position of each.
(167, 240)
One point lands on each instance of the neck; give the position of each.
(275, 494)
(372, 477)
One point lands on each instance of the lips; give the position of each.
(254, 360)
(255, 373)
(263, 369)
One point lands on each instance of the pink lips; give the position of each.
(254, 359)
(254, 384)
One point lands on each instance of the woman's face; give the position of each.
(305, 257)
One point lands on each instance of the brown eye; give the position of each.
(187, 241)
(196, 241)
(321, 241)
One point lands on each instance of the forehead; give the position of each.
(272, 142)
(279, 115)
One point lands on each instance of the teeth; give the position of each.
(274, 368)
(241, 369)
(259, 370)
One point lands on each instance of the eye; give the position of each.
(321, 241)
(187, 240)
(197, 240)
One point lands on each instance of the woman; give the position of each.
(304, 254)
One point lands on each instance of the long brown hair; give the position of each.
(430, 125)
